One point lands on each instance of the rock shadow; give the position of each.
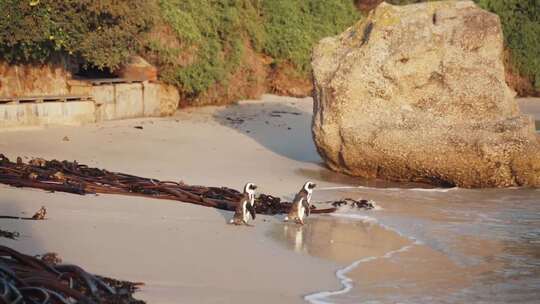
(281, 127)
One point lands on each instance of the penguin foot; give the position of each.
(235, 222)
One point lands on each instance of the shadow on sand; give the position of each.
(284, 127)
(281, 127)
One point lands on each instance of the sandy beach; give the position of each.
(188, 254)
(183, 253)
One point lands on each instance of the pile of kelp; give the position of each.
(27, 279)
(72, 177)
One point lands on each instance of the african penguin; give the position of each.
(245, 206)
(300, 205)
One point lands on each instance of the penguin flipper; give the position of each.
(251, 210)
(307, 208)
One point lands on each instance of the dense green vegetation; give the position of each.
(293, 26)
(99, 33)
(210, 40)
(214, 33)
(521, 26)
(200, 43)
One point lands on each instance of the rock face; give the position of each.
(30, 80)
(169, 98)
(138, 69)
(417, 93)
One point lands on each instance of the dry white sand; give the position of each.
(184, 253)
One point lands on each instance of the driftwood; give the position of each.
(71, 177)
(27, 279)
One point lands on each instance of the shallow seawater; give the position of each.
(427, 245)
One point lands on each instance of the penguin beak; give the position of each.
(253, 187)
(313, 185)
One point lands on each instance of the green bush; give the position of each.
(211, 34)
(294, 26)
(210, 31)
(101, 33)
(521, 25)
(215, 31)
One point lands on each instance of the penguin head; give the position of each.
(250, 188)
(308, 186)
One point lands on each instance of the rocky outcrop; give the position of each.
(32, 80)
(138, 69)
(169, 99)
(418, 93)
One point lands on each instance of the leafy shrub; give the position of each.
(213, 32)
(102, 33)
(210, 31)
(521, 25)
(294, 26)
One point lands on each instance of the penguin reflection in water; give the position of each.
(300, 205)
(245, 207)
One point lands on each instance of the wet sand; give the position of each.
(422, 247)
(426, 245)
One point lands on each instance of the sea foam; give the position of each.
(321, 297)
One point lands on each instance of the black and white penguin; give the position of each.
(245, 207)
(300, 205)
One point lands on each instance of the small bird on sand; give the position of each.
(245, 206)
(300, 205)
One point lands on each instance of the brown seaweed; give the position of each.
(27, 279)
(72, 177)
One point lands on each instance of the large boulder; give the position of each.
(138, 69)
(418, 93)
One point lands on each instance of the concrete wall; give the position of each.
(130, 100)
(110, 102)
(44, 114)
